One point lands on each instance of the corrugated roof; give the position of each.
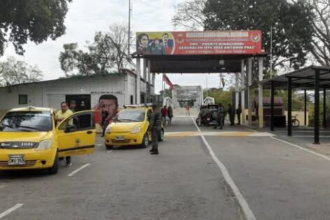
(302, 79)
(76, 77)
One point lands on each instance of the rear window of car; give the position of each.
(130, 116)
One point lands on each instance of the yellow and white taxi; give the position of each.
(130, 127)
(30, 138)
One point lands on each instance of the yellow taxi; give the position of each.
(130, 127)
(30, 138)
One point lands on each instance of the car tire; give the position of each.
(108, 147)
(199, 122)
(145, 141)
(54, 169)
(161, 135)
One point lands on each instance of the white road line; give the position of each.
(109, 151)
(249, 129)
(241, 200)
(77, 170)
(198, 129)
(5, 213)
(302, 148)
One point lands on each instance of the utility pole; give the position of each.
(271, 51)
(129, 27)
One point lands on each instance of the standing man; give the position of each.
(220, 116)
(154, 128)
(170, 114)
(105, 119)
(164, 114)
(60, 116)
(72, 106)
(238, 112)
(231, 113)
(187, 109)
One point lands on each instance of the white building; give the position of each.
(85, 90)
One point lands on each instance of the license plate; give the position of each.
(120, 138)
(16, 160)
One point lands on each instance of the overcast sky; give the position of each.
(86, 17)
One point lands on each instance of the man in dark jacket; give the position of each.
(105, 119)
(238, 113)
(231, 113)
(155, 127)
(220, 116)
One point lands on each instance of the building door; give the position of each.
(83, 102)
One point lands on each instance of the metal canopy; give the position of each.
(302, 79)
(196, 63)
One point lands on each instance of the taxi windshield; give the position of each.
(26, 121)
(130, 116)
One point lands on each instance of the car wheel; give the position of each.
(145, 141)
(108, 147)
(54, 169)
(161, 136)
(198, 122)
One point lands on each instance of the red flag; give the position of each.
(167, 81)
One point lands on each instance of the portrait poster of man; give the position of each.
(157, 43)
(108, 103)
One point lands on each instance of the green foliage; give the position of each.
(168, 93)
(321, 37)
(14, 72)
(101, 56)
(219, 95)
(291, 22)
(34, 20)
(189, 15)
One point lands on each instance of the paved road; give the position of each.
(275, 179)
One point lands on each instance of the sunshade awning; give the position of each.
(302, 79)
(197, 63)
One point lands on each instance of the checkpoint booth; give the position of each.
(205, 52)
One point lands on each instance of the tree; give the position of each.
(168, 93)
(101, 56)
(34, 20)
(117, 39)
(321, 25)
(13, 72)
(219, 95)
(189, 15)
(291, 25)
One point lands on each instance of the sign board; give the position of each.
(198, 42)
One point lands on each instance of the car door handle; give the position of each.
(89, 132)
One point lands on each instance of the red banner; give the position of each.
(199, 42)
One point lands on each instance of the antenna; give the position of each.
(129, 27)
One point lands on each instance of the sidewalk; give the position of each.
(302, 136)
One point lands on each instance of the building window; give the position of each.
(132, 100)
(22, 99)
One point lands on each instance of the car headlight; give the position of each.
(136, 130)
(44, 145)
(108, 130)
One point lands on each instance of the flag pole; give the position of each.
(163, 90)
